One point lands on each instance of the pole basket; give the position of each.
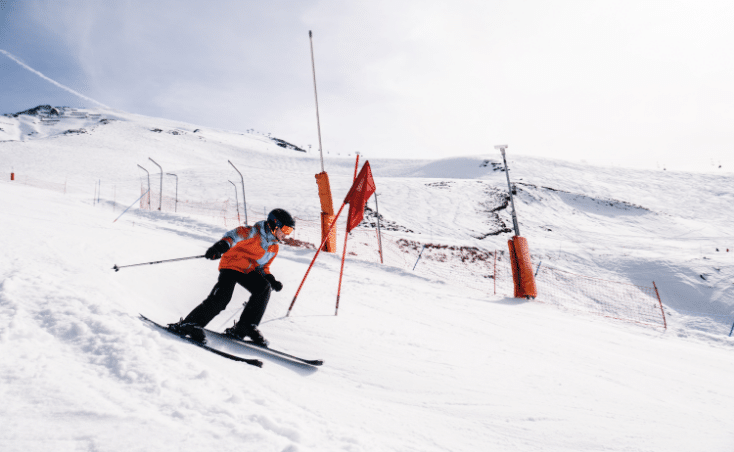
(522, 268)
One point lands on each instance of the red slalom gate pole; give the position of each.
(341, 272)
(326, 237)
(344, 253)
(356, 167)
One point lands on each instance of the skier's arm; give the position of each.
(236, 235)
(228, 241)
(216, 250)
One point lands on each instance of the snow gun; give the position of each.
(522, 266)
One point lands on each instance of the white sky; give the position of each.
(642, 83)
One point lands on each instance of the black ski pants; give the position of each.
(221, 294)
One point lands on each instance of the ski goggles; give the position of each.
(287, 230)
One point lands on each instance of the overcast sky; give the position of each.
(649, 83)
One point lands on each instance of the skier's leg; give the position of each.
(216, 301)
(259, 288)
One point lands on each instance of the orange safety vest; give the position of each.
(250, 248)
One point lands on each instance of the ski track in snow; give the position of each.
(413, 361)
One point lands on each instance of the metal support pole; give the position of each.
(502, 148)
(316, 96)
(236, 202)
(244, 201)
(160, 195)
(175, 205)
(146, 171)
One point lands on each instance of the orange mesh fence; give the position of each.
(483, 270)
(26, 180)
(611, 299)
(488, 272)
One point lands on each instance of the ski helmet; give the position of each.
(279, 218)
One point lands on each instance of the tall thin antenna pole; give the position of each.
(316, 96)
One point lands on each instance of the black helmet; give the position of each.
(277, 218)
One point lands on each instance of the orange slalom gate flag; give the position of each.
(362, 188)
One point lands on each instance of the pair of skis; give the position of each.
(248, 344)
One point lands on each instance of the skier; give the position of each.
(246, 253)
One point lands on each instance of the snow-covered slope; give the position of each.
(412, 362)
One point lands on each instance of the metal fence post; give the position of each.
(244, 201)
(236, 202)
(146, 171)
(160, 195)
(495, 272)
(379, 232)
(175, 205)
(662, 311)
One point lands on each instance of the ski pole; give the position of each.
(117, 268)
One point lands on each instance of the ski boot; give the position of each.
(250, 331)
(191, 330)
(234, 334)
(256, 336)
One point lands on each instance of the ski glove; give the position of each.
(274, 283)
(216, 250)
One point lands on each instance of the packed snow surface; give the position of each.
(413, 362)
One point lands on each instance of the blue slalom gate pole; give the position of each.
(419, 257)
(732, 329)
(123, 212)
